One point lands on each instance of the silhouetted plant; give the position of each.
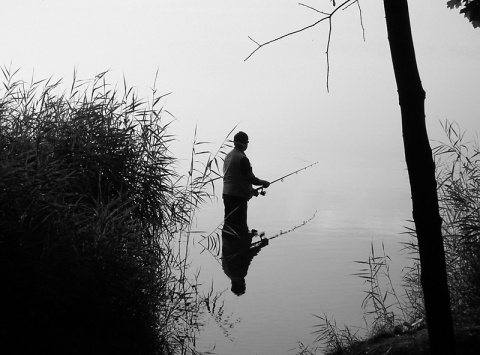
(414, 309)
(90, 208)
(458, 179)
(458, 176)
(332, 338)
(385, 313)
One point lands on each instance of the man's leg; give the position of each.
(242, 216)
(236, 214)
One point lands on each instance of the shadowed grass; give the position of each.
(90, 207)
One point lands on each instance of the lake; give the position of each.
(308, 271)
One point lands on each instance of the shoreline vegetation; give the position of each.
(395, 322)
(92, 211)
(95, 224)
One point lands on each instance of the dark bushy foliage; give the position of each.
(469, 8)
(89, 203)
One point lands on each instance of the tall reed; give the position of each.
(458, 176)
(90, 206)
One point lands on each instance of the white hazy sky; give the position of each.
(279, 95)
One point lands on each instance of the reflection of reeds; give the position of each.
(90, 205)
(216, 309)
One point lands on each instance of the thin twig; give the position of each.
(328, 51)
(327, 16)
(312, 8)
(281, 37)
(361, 20)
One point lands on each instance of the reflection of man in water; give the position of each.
(238, 179)
(237, 254)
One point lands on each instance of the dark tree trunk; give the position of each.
(421, 171)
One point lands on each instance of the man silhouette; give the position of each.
(238, 179)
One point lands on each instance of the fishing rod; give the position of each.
(263, 192)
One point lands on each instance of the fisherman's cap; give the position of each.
(240, 137)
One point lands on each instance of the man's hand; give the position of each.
(265, 184)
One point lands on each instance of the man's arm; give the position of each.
(247, 171)
(258, 182)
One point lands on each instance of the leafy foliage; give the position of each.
(470, 9)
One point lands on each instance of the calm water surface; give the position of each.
(307, 271)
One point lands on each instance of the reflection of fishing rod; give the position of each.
(263, 192)
(265, 240)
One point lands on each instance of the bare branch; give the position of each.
(283, 36)
(361, 20)
(311, 8)
(328, 51)
(360, 15)
(347, 5)
(327, 16)
(251, 39)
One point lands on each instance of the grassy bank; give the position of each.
(91, 205)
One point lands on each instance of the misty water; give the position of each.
(308, 271)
